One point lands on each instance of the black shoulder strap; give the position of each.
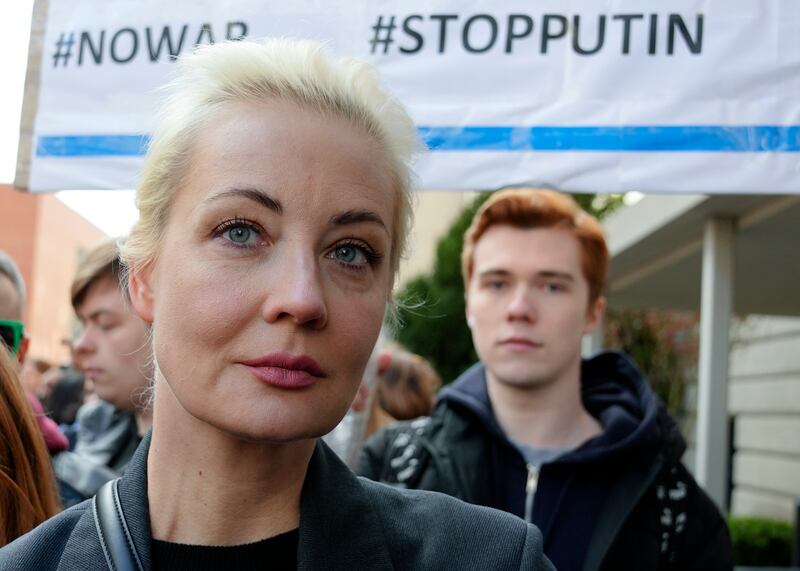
(113, 531)
(402, 462)
(414, 460)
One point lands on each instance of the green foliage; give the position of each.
(758, 541)
(432, 322)
(662, 343)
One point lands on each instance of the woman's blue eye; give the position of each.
(349, 255)
(239, 234)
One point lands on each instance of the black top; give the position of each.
(277, 553)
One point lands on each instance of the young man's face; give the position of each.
(113, 350)
(528, 304)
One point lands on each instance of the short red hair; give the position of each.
(539, 208)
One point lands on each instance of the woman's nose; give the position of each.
(298, 294)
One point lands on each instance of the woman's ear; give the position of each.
(139, 285)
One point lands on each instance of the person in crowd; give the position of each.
(113, 350)
(15, 338)
(274, 205)
(66, 398)
(399, 385)
(404, 388)
(34, 377)
(12, 307)
(27, 486)
(581, 448)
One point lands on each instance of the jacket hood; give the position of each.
(613, 391)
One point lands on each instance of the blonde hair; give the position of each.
(293, 71)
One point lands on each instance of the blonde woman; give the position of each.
(274, 207)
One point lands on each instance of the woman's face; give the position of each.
(272, 279)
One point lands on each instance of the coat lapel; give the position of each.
(339, 529)
(83, 550)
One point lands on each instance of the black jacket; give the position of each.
(622, 500)
(107, 438)
(346, 523)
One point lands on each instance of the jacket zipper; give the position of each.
(530, 491)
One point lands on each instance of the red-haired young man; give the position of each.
(581, 448)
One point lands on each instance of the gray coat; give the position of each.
(346, 523)
(107, 439)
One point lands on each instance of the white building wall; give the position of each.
(434, 212)
(765, 403)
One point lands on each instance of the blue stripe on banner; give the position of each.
(692, 138)
(92, 146)
(711, 138)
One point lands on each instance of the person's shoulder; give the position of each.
(405, 430)
(681, 485)
(439, 531)
(698, 533)
(95, 413)
(398, 435)
(41, 548)
(698, 503)
(431, 508)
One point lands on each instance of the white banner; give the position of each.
(582, 95)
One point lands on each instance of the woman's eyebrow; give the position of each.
(253, 194)
(356, 216)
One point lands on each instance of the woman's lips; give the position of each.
(285, 371)
(284, 378)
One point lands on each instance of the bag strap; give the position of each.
(112, 530)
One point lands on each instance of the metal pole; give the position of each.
(712, 395)
(30, 99)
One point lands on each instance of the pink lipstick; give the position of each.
(285, 371)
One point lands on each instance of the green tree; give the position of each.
(662, 343)
(431, 316)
